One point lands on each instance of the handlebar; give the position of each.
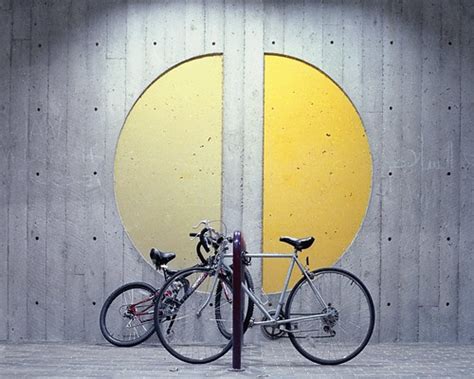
(209, 237)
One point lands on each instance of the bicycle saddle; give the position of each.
(161, 258)
(298, 244)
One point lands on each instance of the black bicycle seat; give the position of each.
(298, 244)
(161, 258)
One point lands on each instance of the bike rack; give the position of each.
(238, 246)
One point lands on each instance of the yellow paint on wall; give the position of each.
(317, 166)
(168, 159)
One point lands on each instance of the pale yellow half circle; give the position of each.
(168, 160)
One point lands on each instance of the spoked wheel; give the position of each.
(346, 320)
(224, 295)
(126, 318)
(185, 316)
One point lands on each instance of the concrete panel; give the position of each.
(449, 103)
(17, 197)
(94, 161)
(37, 174)
(351, 79)
(332, 43)
(114, 107)
(274, 27)
(466, 208)
(21, 19)
(233, 115)
(154, 44)
(372, 61)
(135, 51)
(293, 28)
(213, 26)
(56, 251)
(390, 175)
(312, 32)
(5, 5)
(5, 143)
(77, 118)
(372, 117)
(409, 167)
(137, 77)
(194, 27)
(253, 134)
(116, 35)
(435, 157)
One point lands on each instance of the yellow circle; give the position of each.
(317, 166)
(168, 159)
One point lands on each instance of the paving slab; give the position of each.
(275, 359)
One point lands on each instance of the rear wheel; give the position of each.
(346, 320)
(126, 318)
(185, 316)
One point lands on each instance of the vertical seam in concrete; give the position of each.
(460, 163)
(27, 171)
(126, 114)
(46, 197)
(421, 164)
(243, 126)
(420, 178)
(400, 201)
(283, 29)
(222, 108)
(204, 34)
(381, 177)
(262, 153)
(343, 27)
(66, 115)
(438, 118)
(9, 171)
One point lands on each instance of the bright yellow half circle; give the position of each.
(317, 166)
(168, 159)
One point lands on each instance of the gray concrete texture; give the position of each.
(275, 359)
(71, 70)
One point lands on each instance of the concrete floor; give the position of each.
(273, 359)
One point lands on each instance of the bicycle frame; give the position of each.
(294, 261)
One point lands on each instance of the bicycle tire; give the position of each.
(107, 318)
(250, 306)
(186, 336)
(342, 307)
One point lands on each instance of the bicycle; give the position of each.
(328, 316)
(126, 317)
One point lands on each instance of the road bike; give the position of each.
(328, 315)
(126, 317)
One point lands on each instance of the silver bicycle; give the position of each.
(328, 315)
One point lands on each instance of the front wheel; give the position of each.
(333, 316)
(185, 316)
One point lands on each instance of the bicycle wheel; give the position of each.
(223, 294)
(347, 320)
(185, 318)
(126, 318)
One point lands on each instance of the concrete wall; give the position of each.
(70, 72)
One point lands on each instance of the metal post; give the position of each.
(237, 304)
